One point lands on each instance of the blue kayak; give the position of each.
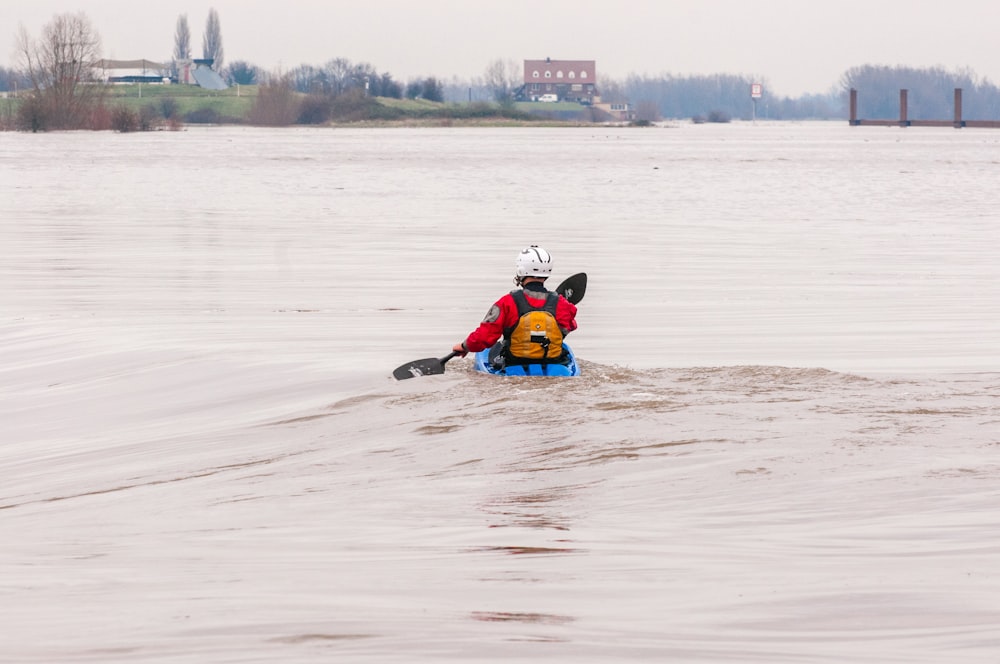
(567, 368)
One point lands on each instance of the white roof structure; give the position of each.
(130, 64)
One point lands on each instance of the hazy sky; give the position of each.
(796, 46)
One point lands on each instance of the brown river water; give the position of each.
(784, 447)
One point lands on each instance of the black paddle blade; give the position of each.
(427, 367)
(573, 288)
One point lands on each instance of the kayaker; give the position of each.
(531, 319)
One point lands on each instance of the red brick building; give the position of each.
(568, 80)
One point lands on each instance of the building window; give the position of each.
(534, 74)
(572, 74)
(548, 74)
(559, 74)
(583, 74)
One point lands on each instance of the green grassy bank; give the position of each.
(160, 104)
(232, 104)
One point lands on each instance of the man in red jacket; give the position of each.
(532, 320)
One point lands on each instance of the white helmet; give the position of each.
(533, 262)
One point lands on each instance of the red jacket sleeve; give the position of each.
(503, 314)
(566, 315)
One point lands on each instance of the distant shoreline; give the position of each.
(139, 107)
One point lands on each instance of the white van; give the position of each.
(548, 98)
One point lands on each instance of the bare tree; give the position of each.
(182, 39)
(60, 64)
(503, 77)
(211, 43)
(340, 76)
(307, 79)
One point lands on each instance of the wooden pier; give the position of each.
(957, 122)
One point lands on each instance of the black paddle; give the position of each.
(427, 367)
(572, 288)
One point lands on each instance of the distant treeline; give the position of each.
(666, 96)
(669, 96)
(930, 96)
(720, 96)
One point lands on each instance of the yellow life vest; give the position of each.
(536, 337)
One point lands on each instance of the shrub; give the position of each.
(380, 112)
(314, 110)
(100, 118)
(168, 107)
(277, 104)
(124, 119)
(7, 118)
(31, 115)
(149, 118)
(203, 115)
(355, 105)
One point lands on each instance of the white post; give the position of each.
(756, 92)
